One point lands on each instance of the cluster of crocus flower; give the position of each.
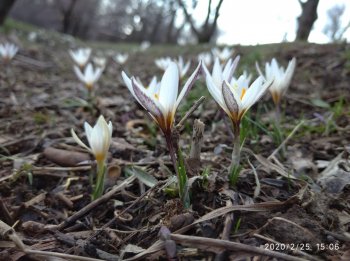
(8, 51)
(164, 62)
(161, 99)
(99, 140)
(84, 70)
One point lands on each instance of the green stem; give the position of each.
(236, 153)
(182, 178)
(100, 178)
(278, 115)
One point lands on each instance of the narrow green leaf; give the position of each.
(142, 176)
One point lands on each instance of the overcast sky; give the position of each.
(250, 22)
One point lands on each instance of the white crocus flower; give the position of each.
(99, 138)
(223, 54)
(183, 68)
(163, 63)
(162, 102)
(145, 45)
(80, 56)
(205, 57)
(90, 76)
(8, 51)
(121, 58)
(282, 78)
(100, 62)
(236, 98)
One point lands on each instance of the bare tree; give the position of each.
(206, 31)
(5, 7)
(307, 19)
(333, 28)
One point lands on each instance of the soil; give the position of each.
(303, 197)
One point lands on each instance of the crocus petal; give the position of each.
(169, 87)
(89, 72)
(214, 90)
(217, 72)
(259, 70)
(188, 85)
(230, 100)
(88, 131)
(77, 140)
(290, 71)
(230, 69)
(255, 92)
(79, 74)
(97, 74)
(150, 104)
(128, 83)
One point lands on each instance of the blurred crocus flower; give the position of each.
(162, 102)
(121, 58)
(99, 138)
(220, 73)
(8, 51)
(243, 80)
(100, 62)
(282, 78)
(80, 56)
(206, 58)
(152, 87)
(145, 45)
(223, 54)
(183, 68)
(90, 76)
(163, 63)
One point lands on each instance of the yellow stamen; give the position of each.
(156, 96)
(243, 93)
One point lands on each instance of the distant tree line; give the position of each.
(156, 21)
(166, 21)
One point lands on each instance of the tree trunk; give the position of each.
(5, 7)
(67, 17)
(306, 19)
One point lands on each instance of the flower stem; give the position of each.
(181, 175)
(236, 153)
(278, 115)
(100, 178)
(172, 151)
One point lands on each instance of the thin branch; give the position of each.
(189, 112)
(205, 242)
